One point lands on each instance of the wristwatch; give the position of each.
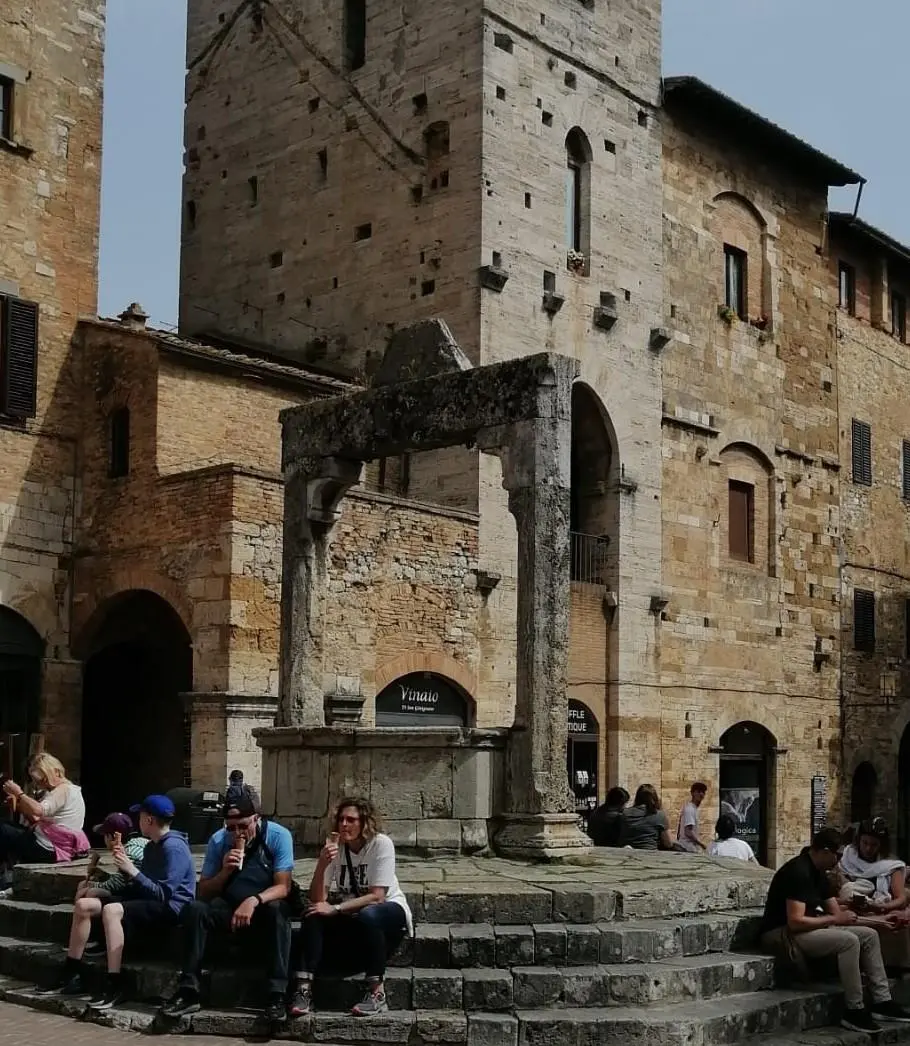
(336, 908)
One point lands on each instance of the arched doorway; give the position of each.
(903, 795)
(594, 509)
(582, 757)
(862, 792)
(21, 651)
(747, 783)
(135, 739)
(423, 699)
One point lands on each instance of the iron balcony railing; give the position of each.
(589, 563)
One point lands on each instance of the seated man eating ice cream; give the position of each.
(245, 882)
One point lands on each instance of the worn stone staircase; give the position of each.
(562, 959)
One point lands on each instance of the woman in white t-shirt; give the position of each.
(54, 823)
(357, 911)
(726, 844)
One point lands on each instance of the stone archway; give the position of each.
(138, 664)
(21, 652)
(747, 785)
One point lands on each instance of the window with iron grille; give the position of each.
(741, 521)
(864, 620)
(18, 357)
(862, 453)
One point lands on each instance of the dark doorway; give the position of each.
(594, 515)
(135, 737)
(862, 793)
(21, 651)
(903, 794)
(746, 783)
(582, 758)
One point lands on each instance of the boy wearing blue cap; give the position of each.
(152, 897)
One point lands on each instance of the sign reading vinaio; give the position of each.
(421, 699)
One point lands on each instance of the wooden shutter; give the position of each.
(864, 620)
(18, 358)
(739, 521)
(905, 467)
(862, 453)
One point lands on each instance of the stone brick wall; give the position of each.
(49, 204)
(759, 406)
(874, 384)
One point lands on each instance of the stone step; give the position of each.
(501, 901)
(415, 988)
(778, 1017)
(439, 945)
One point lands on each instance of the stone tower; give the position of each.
(353, 168)
(51, 68)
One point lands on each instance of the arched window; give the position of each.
(578, 201)
(436, 145)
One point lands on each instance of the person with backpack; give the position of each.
(246, 882)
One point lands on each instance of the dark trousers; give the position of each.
(271, 922)
(18, 845)
(350, 943)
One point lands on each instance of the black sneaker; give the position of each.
(859, 1020)
(186, 1001)
(890, 1011)
(93, 949)
(276, 1008)
(113, 995)
(301, 1000)
(73, 987)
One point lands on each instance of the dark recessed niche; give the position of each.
(279, 297)
(314, 104)
(416, 193)
(427, 287)
(570, 80)
(276, 259)
(528, 200)
(363, 232)
(642, 118)
(334, 283)
(547, 119)
(420, 102)
(501, 93)
(609, 146)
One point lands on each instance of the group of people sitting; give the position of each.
(645, 826)
(353, 918)
(845, 898)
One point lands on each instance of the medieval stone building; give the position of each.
(522, 173)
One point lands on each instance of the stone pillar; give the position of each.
(312, 495)
(536, 463)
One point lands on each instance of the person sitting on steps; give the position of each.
(151, 900)
(357, 909)
(803, 920)
(247, 880)
(644, 824)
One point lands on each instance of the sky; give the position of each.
(830, 71)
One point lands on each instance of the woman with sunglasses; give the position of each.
(357, 915)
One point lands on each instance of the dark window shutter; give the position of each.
(862, 453)
(905, 479)
(739, 521)
(864, 620)
(19, 358)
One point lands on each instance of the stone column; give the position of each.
(312, 495)
(536, 463)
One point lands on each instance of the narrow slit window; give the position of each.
(898, 316)
(735, 274)
(846, 287)
(741, 521)
(6, 107)
(355, 34)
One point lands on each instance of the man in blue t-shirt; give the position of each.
(246, 881)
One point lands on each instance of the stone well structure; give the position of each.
(445, 788)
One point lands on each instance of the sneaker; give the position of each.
(6, 894)
(93, 949)
(73, 987)
(183, 1003)
(301, 1000)
(113, 995)
(276, 1008)
(859, 1020)
(890, 1011)
(373, 1002)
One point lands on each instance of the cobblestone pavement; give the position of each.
(23, 1027)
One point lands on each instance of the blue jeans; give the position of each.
(350, 943)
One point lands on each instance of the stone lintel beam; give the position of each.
(444, 410)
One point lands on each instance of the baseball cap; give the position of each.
(114, 823)
(157, 806)
(243, 806)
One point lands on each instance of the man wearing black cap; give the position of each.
(246, 880)
(152, 898)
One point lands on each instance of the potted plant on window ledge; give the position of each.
(727, 314)
(576, 262)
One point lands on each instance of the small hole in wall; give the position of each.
(528, 200)
(543, 18)
(419, 102)
(309, 302)
(672, 312)
(571, 80)
(501, 93)
(497, 260)
(504, 42)
(200, 133)
(443, 179)
(609, 146)
(547, 119)
(642, 118)
(628, 295)
(323, 158)
(224, 174)
(549, 282)
(423, 257)
(540, 103)
(363, 232)
(416, 193)
(314, 104)
(279, 297)
(427, 287)
(688, 730)
(253, 183)
(616, 60)
(221, 17)
(334, 283)
(276, 259)
(191, 213)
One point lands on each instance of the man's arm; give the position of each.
(799, 922)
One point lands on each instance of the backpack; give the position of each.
(236, 792)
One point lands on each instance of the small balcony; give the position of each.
(589, 562)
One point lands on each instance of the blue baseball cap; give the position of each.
(157, 806)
